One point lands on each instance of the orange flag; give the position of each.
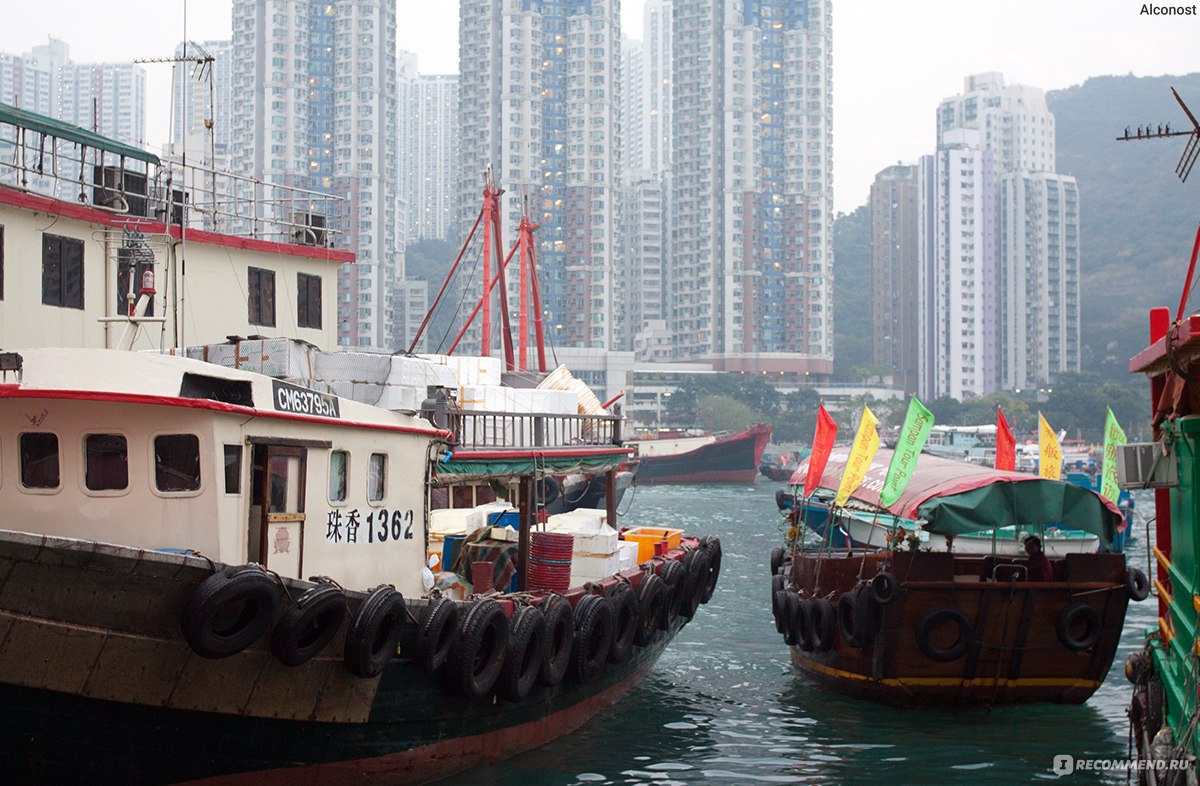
(822, 447)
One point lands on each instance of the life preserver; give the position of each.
(560, 636)
(804, 625)
(824, 622)
(695, 584)
(776, 559)
(524, 653)
(1071, 617)
(885, 588)
(229, 611)
(937, 652)
(1137, 584)
(712, 545)
(593, 638)
(673, 576)
(790, 612)
(311, 623)
(374, 632)
(627, 621)
(652, 601)
(435, 634)
(477, 655)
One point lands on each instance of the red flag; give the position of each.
(1006, 445)
(822, 447)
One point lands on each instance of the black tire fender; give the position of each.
(782, 499)
(652, 601)
(934, 651)
(885, 588)
(374, 632)
(560, 636)
(673, 575)
(1073, 616)
(593, 638)
(436, 633)
(712, 545)
(310, 624)
(627, 620)
(779, 610)
(804, 625)
(695, 584)
(524, 654)
(790, 613)
(846, 605)
(776, 559)
(868, 615)
(229, 611)
(1137, 584)
(824, 624)
(478, 653)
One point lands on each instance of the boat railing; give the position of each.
(478, 429)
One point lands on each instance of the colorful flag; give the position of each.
(1050, 454)
(1113, 436)
(866, 442)
(822, 447)
(913, 434)
(1006, 444)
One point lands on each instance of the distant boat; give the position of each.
(780, 467)
(673, 457)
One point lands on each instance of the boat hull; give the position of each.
(1011, 648)
(732, 459)
(93, 654)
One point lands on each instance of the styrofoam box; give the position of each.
(471, 369)
(420, 373)
(593, 568)
(534, 400)
(276, 357)
(628, 551)
(448, 521)
(478, 515)
(592, 535)
(505, 533)
(352, 366)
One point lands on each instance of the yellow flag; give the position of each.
(1051, 458)
(866, 442)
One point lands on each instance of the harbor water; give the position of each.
(723, 705)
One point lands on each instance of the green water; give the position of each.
(723, 705)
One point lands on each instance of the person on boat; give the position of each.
(1038, 567)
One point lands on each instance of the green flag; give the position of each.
(1113, 436)
(917, 424)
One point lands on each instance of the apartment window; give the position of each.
(106, 462)
(177, 462)
(261, 296)
(308, 306)
(62, 271)
(39, 461)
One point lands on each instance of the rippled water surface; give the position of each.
(723, 705)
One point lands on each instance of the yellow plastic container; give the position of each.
(646, 537)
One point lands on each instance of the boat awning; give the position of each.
(954, 497)
(476, 465)
(81, 136)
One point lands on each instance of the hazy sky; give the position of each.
(893, 60)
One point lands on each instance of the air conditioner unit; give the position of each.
(119, 189)
(1142, 465)
(308, 229)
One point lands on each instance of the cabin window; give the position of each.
(377, 477)
(308, 306)
(106, 462)
(177, 462)
(338, 462)
(261, 284)
(233, 469)
(62, 271)
(39, 461)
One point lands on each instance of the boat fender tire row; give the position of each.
(627, 621)
(477, 655)
(712, 545)
(524, 655)
(308, 625)
(560, 633)
(436, 632)
(673, 575)
(776, 559)
(593, 638)
(824, 623)
(1071, 619)
(652, 599)
(229, 611)
(935, 651)
(885, 588)
(696, 582)
(374, 632)
(1137, 584)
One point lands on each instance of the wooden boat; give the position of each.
(909, 625)
(708, 458)
(782, 466)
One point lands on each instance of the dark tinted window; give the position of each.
(106, 462)
(62, 271)
(233, 469)
(177, 462)
(261, 296)
(308, 294)
(39, 461)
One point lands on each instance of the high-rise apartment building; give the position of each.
(429, 150)
(539, 105)
(895, 274)
(317, 109)
(751, 190)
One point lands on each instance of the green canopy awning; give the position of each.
(1028, 504)
(57, 128)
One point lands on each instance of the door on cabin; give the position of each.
(276, 531)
